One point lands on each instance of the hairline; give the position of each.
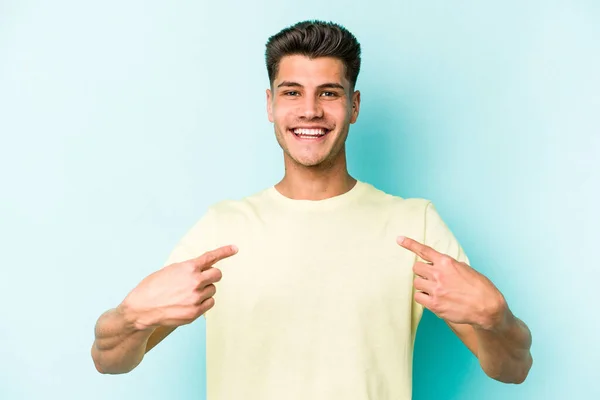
(311, 58)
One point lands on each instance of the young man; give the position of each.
(320, 280)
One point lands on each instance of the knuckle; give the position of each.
(210, 257)
(211, 275)
(446, 260)
(212, 289)
(217, 274)
(200, 279)
(192, 267)
(194, 298)
(208, 304)
(438, 291)
(191, 315)
(199, 296)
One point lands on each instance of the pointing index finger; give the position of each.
(209, 258)
(423, 251)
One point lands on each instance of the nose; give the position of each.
(311, 108)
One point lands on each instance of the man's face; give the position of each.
(311, 106)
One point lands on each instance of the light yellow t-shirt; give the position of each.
(318, 303)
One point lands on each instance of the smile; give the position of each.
(310, 133)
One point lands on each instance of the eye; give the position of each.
(291, 93)
(329, 94)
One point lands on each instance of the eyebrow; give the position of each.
(329, 85)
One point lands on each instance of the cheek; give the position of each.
(280, 114)
(340, 114)
(337, 110)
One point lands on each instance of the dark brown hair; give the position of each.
(314, 39)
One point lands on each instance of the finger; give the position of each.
(207, 291)
(210, 275)
(424, 299)
(209, 258)
(423, 285)
(207, 305)
(424, 270)
(425, 252)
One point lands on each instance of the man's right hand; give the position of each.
(176, 294)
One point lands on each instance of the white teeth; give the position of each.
(309, 132)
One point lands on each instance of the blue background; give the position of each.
(122, 121)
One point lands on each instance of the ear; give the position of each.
(270, 105)
(355, 106)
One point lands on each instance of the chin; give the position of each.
(312, 164)
(309, 162)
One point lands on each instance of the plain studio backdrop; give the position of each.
(122, 121)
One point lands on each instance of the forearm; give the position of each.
(119, 346)
(503, 350)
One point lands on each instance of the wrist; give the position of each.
(132, 318)
(496, 316)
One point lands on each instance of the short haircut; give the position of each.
(314, 39)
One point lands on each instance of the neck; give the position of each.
(315, 183)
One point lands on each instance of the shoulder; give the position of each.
(205, 232)
(396, 204)
(423, 216)
(240, 208)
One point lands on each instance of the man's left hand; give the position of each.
(453, 290)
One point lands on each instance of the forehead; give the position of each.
(311, 72)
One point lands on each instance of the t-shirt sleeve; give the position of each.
(196, 241)
(439, 237)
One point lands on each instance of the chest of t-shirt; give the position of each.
(323, 269)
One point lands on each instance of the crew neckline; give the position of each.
(328, 203)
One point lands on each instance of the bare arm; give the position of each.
(119, 346)
(475, 310)
(502, 347)
(173, 296)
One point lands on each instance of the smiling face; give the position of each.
(311, 105)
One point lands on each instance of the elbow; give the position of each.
(96, 359)
(516, 375)
(107, 370)
(103, 367)
(517, 379)
(524, 371)
(100, 368)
